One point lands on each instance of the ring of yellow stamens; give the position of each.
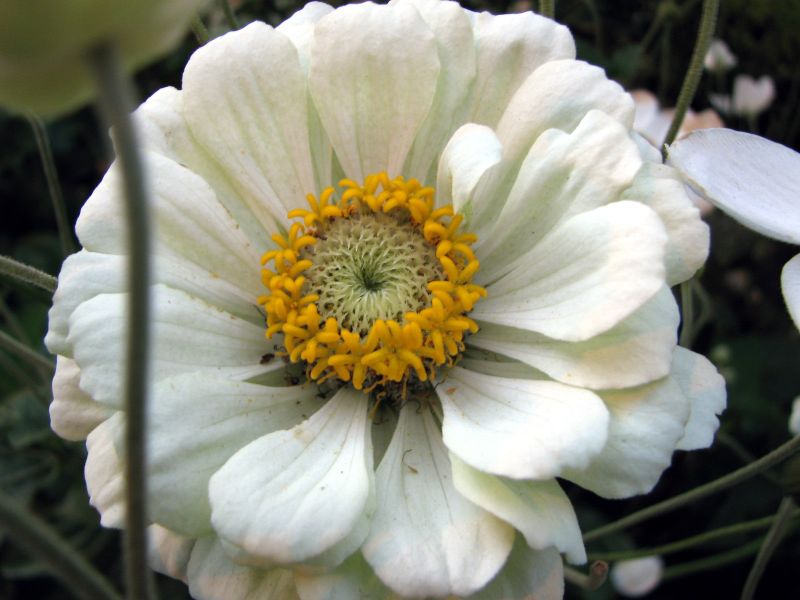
(390, 351)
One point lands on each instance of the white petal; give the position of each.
(197, 422)
(168, 552)
(790, 284)
(511, 47)
(426, 538)
(638, 577)
(752, 96)
(752, 179)
(702, 384)
(372, 125)
(189, 222)
(245, 101)
(291, 495)
(584, 277)
(469, 155)
(540, 510)
(188, 335)
(636, 351)
(104, 472)
(520, 428)
(527, 575)
(299, 28)
(73, 413)
(661, 188)
(352, 580)
(562, 175)
(645, 426)
(213, 575)
(456, 50)
(557, 96)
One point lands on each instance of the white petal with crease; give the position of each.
(104, 472)
(702, 384)
(168, 552)
(73, 413)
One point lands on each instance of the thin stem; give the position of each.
(780, 526)
(53, 185)
(687, 315)
(200, 31)
(13, 322)
(27, 274)
(35, 536)
(27, 354)
(230, 16)
(711, 562)
(744, 454)
(598, 571)
(708, 22)
(547, 8)
(780, 454)
(115, 98)
(690, 542)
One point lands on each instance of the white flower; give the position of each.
(265, 484)
(637, 577)
(43, 46)
(750, 97)
(754, 180)
(719, 57)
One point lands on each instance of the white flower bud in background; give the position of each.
(794, 418)
(750, 97)
(719, 57)
(638, 577)
(43, 45)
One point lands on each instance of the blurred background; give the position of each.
(742, 321)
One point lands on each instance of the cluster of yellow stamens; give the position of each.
(392, 349)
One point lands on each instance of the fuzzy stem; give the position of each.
(547, 8)
(230, 16)
(780, 526)
(200, 31)
(27, 274)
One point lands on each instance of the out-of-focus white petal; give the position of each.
(794, 417)
(790, 284)
(291, 495)
(212, 575)
(705, 388)
(751, 96)
(752, 179)
(104, 472)
(540, 510)
(719, 57)
(637, 577)
(636, 351)
(372, 125)
(584, 277)
(520, 428)
(426, 538)
(353, 579)
(197, 422)
(73, 413)
(527, 575)
(168, 552)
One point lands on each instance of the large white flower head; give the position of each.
(465, 260)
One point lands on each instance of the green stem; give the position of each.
(200, 31)
(711, 562)
(13, 322)
(28, 355)
(690, 542)
(35, 536)
(708, 22)
(547, 8)
(230, 16)
(780, 526)
(53, 185)
(116, 103)
(744, 454)
(27, 274)
(687, 315)
(598, 571)
(780, 454)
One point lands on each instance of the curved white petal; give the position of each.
(73, 413)
(168, 552)
(584, 277)
(752, 179)
(561, 176)
(540, 510)
(527, 575)
(790, 284)
(245, 100)
(212, 575)
(426, 538)
(196, 423)
(353, 579)
(188, 335)
(660, 187)
(372, 126)
(644, 429)
(702, 384)
(291, 495)
(511, 47)
(104, 472)
(520, 428)
(558, 95)
(636, 351)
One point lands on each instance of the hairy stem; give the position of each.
(26, 274)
